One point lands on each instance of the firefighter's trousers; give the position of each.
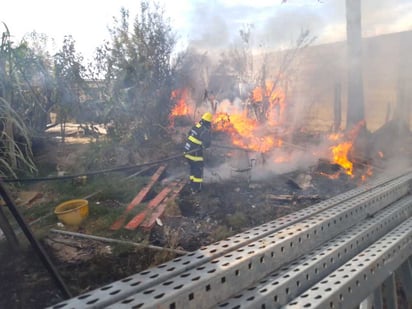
(196, 174)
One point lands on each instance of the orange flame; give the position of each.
(335, 136)
(331, 176)
(244, 132)
(246, 129)
(340, 156)
(367, 174)
(272, 100)
(181, 108)
(340, 152)
(251, 126)
(281, 159)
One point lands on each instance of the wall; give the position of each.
(318, 69)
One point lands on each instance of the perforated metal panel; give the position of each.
(226, 275)
(347, 286)
(213, 272)
(285, 284)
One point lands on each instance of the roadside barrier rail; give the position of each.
(209, 276)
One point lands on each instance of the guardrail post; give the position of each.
(367, 303)
(377, 299)
(373, 301)
(389, 292)
(404, 273)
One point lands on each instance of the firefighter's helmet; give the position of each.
(207, 117)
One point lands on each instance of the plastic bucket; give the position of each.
(72, 212)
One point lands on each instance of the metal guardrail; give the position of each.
(211, 274)
(347, 286)
(298, 276)
(213, 281)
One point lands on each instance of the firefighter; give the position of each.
(199, 137)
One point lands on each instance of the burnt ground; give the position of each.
(226, 208)
(222, 209)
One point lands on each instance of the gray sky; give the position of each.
(210, 23)
(276, 24)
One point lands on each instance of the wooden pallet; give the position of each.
(138, 198)
(152, 210)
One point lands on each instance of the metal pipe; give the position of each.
(33, 241)
(111, 240)
(8, 231)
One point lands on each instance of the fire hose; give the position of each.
(110, 170)
(92, 173)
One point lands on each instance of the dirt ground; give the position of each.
(222, 209)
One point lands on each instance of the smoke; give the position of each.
(208, 27)
(283, 27)
(216, 24)
(261, 166)
(320, 70)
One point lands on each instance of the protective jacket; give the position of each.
(199, 137)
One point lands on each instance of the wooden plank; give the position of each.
(138, 198)
(26, 198)
(135, 222)
(158, 211)
(280, 197)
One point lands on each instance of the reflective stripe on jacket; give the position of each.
(199, 137)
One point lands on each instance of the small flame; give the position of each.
(270, 101)
(367, 174)
(331, 176)
(340, 156)
(341, 151)
(335, 136)
(181, 108)
(281, 159)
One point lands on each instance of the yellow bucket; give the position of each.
(72, 212)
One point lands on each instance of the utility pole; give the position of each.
(404, 94)
(356, 109)
(337, 108)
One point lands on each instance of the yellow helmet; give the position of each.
(207, 117)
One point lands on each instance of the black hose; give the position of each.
(110, 170)
(116, 169)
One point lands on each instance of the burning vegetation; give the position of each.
(259, 126)
(269, 156)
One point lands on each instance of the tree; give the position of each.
(140, 73)
(35, 65)
(262, 72)
(69, 81)
(15, 143)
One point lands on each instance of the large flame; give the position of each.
(250, 125)
(244, 131)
